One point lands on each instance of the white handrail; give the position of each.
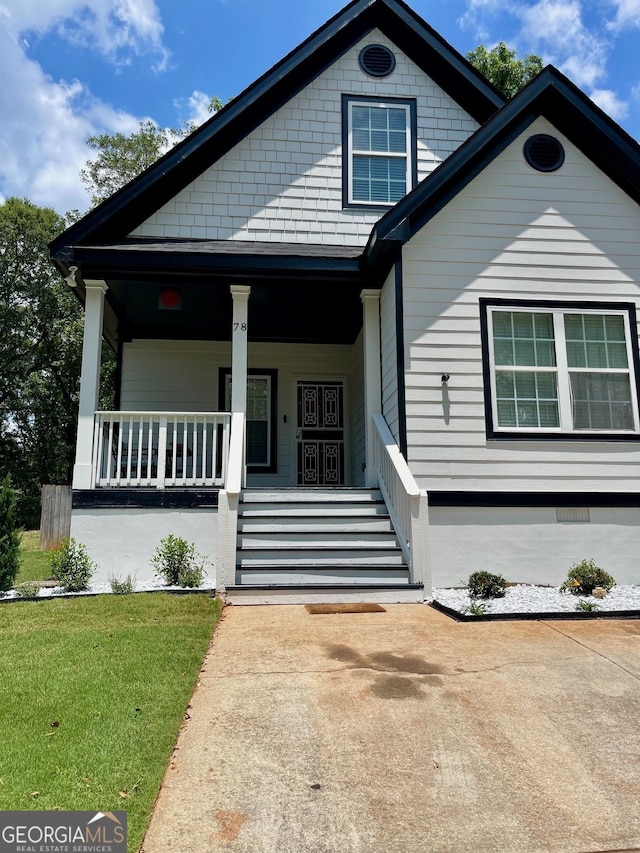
(160, 449)
(406, 502)
(235, 475)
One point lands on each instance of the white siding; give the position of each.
(284, 180)
(389, 355)
(513, 231)
(160, 375)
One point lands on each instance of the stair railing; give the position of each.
(407, 504)
(228, 504)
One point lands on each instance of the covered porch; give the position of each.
(252, 375)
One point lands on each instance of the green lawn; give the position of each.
(34, 564)
(92, 694)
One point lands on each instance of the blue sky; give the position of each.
(72, 68)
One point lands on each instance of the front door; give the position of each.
(320, 433)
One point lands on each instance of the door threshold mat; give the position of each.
(344, 608)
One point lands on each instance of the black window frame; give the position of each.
(346, 154)
(497, 434)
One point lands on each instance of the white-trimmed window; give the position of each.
(561, 369)
(379, 150)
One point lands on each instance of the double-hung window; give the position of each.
(562, 369)
(380, 144)
(260, 418)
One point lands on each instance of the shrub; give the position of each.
(486, 585)
(9, 537)
(28, 589)
(124, 587)
(71, 566)
(587, 606)
(474, 608)
(584, 577)
(177, 563)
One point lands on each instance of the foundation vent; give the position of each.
(573, 514)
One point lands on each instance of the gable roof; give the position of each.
(133, 204)
(550, 95)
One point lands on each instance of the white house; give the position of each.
(376, 329)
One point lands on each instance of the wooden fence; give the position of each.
(55, 516)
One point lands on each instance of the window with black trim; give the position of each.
(380, 162)
(260, 417)
(561, 369)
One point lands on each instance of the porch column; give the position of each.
(240, 295)
(89, 382)
(372, 382)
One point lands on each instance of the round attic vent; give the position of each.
(376, 60)
(543, 152)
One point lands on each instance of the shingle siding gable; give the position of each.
(284, 180)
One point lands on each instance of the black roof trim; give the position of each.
(126, 209)
(551, 95)
(117, 262)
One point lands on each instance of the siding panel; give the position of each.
(284, 180)
(566, 235)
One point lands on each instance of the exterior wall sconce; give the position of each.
(445, 379)
(71, 278)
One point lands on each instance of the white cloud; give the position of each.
(610, 103)
(194, 109)
(556, 28)
(116, 28)
(627, 14)
(44, 123)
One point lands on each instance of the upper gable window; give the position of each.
(380, 145)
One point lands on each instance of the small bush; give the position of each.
(9, 537)
(587, 606)
(474, 608)
(486, 585)
(28, 589)
(584, 577)
(124, 587)
(71, 566)
(177, 563)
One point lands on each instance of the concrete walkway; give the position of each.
(405, 731)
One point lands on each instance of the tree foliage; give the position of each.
(501, 66)
(40, 356)
(120, 157)
(9, 536)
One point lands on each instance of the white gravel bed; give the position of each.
(525, 598)
(105, 588)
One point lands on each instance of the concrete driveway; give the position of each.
(405, 731)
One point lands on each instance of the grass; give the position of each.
(92, 695)
(34, 564)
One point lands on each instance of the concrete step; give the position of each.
(311, 509)
(317, 539)
(323, 496)
(328, 574)
(344, 558)
(315, 524)
(324, 593)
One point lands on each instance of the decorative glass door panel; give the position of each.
(320, 434)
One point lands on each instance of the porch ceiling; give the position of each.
(288, 311)
(299, 292)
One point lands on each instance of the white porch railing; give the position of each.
(228, 499)
(160, 449)
(406, 503)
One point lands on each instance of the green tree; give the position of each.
(501, 66)
(9, 537)
(40, 357)
(122, 157)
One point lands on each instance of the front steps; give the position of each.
(318, 545)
